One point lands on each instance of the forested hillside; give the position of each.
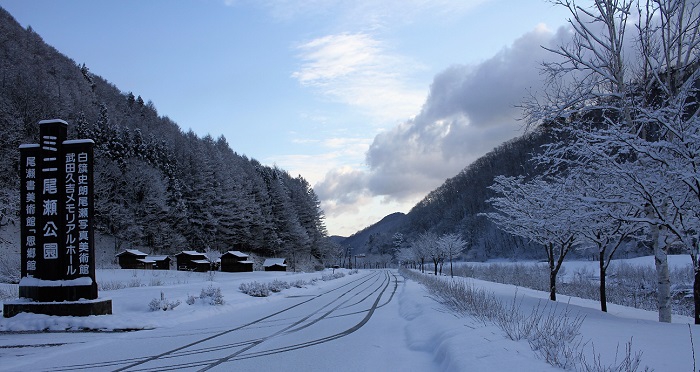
(369, 240)
(457, 206)
(158, 188)
(454, 207)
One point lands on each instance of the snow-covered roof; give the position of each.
(200, 261)
(192, 253)
(133, 252)
(145, 260)
(274, 261)
(237, 254)
(157, 258)
(246, 262)
(75, 141)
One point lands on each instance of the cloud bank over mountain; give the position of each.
(470, 109)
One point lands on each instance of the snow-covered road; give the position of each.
(351, 325)
(371, 320)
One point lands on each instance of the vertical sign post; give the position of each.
(80, 240)
(57, 242)
(28, 208)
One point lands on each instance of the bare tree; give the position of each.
(606, 219)
(630, 103)
(451, 245)
(541, 211)
(421, 248)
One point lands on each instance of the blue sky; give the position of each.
(374, 102)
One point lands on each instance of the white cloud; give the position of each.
(363, 14)
(359, 70)
(338, 153)
(469, 111)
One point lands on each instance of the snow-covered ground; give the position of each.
(422, 332)
(572, 267)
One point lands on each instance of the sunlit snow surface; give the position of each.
(404, 329)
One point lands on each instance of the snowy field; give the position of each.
(570, 268)
(422, 332)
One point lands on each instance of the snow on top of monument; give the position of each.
(34, 282)
(29, 145)
(76, 141)
(51, 121)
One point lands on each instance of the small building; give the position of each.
(201, 266)
(160, 262)
(192, 261)
(134, 259)
(275, 264)
(236, 262)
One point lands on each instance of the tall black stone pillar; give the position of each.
(57, 242)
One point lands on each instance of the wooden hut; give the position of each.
(192, 261)
(275, 264)
(134, 259)
(160, 262)
(236, 261)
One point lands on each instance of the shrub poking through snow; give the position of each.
(162, 304)
(212, 296)
(327, 277)
(255, 289)
(278, 285)
(208, 296)
(191, 300)
(552, 334)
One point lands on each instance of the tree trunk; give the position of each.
(696, 292)
(663, 291)
(552, 286)
(603, 297)
(552, 273)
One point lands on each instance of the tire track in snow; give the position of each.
(135, 363)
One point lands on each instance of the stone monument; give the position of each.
(57, 239)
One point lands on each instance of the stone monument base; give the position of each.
(58, 292)
(65, 308)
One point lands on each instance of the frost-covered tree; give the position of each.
(451, 245)
(437, 253)
(607, 221)
(397, 242)
(406, 257)
(539, 210)
(421, 247)
(625, 90)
